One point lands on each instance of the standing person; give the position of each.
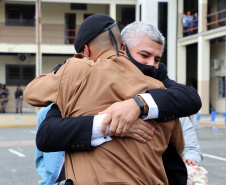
(50, 166)
(195, 23)
(55, 124)
(0, 97)
(189, 22)
(184, 24)
(19, 98)
(89, 87)
(4, 98)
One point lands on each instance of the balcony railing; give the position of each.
(214, 20)
(51, 34)
(191, 29)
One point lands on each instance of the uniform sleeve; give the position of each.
(192, 149)
(43, 90)
(58, 87)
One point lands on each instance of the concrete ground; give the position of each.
(17, 149)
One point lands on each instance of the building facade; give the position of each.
(195, 55)
(35, 35)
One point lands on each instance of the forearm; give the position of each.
(194, 155)
(192, 149)
(176, 101)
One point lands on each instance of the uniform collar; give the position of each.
(105, 55)
(110, 53)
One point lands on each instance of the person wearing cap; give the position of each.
(1, 86)
(72, 132)
(94, 84)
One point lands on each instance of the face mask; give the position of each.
(145, 69)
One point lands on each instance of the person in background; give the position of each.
(120, 25)
(195, 23)
(184, 23)
(19, 98)
(189, 20)
(192, 155)
(48, 165)
(0, 97)
(4, 98)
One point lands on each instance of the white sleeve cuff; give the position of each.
(97, 137)
(153, 111)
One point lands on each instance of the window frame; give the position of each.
(21, 78)
(22, 11)
(221, 88)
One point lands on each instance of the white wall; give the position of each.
(149, 11)
(53, 13)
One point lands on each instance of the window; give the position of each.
(87, 15)
(221, 86)
(221, 5)
(140, 18)
(19, 74)
(19, 15)
(78, 6)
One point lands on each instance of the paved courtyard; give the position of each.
(17, 154)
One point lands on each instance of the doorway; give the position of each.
(70, 32)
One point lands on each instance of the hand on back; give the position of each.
(123, 120)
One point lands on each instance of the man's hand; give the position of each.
(120, 116)
(141, 130)
(189, 161)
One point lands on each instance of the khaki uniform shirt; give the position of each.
(84, 87)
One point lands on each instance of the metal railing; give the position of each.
(191, 30)
(217, 19)
(14, 34)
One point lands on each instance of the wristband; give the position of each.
(140, 104)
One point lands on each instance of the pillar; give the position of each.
(181, 64)
(113, 10)
(202, 12)
(179, 16)
(38, 38)
(146, 14)
(172, 39)
(204, 73)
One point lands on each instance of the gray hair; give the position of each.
(133, 33)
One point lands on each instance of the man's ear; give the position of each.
(123, 46)
(86, 50)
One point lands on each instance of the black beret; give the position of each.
(90, 28)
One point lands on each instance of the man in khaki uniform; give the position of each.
(86, 86)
